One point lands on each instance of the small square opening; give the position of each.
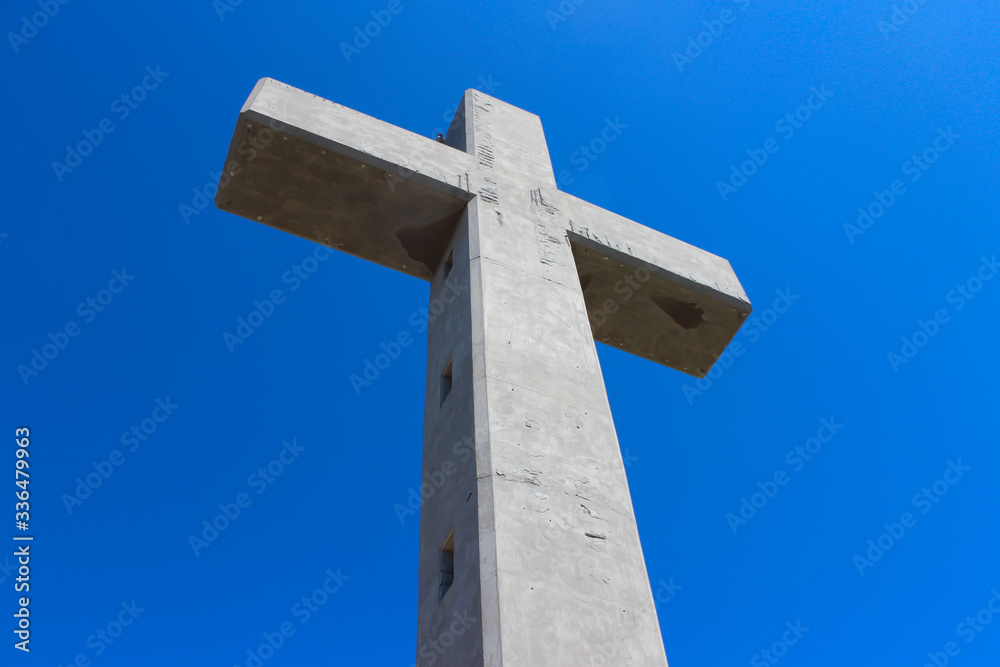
(446, 382)
(449, 262)
(447, 564)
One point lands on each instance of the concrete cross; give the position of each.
(529, 552)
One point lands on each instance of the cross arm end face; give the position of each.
(335, 176)
(652, 295)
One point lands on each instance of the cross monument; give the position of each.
(529, 552)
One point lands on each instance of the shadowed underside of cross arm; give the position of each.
(652, 295)
(335, 176)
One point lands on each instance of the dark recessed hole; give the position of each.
(685, 315)
(426, 243)
(446, 382)
(447, 565)
(449, 262)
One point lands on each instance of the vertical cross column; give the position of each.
(547, 558)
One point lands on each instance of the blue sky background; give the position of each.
(692, 457)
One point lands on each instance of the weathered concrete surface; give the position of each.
(652, 295)
(563, 580)
(521, 456)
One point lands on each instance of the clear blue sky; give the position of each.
(904, 124)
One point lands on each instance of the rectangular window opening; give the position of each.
(447, 564)
(449, 262)
(446, 382)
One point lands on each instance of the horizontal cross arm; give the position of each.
(652, 295)
(332, 175)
